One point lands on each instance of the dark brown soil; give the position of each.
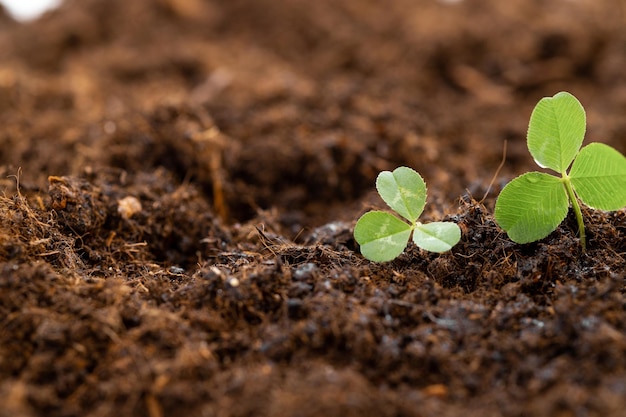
(181, 180)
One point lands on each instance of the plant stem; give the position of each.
(579, 215)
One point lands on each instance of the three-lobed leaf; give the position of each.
(556, 131)
(383, 236)
(531, 206)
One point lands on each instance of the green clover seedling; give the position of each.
(533, 205)
(383, 236)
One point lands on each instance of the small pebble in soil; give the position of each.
(128, 206)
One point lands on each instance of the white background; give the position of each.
(28, 9)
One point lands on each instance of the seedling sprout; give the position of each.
(533, 205)
(383, 236)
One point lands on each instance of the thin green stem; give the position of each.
(579, 215)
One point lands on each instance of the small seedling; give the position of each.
(533, 205)
(383, 236)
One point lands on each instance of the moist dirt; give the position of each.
(181, 180)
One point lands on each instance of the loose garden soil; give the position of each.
(181, 180)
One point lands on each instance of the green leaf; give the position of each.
(382, 236)
(556, 131)
(436, 236)
(531, 206)
(599, 177)
(404, 191)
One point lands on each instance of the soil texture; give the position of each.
(181, 180)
